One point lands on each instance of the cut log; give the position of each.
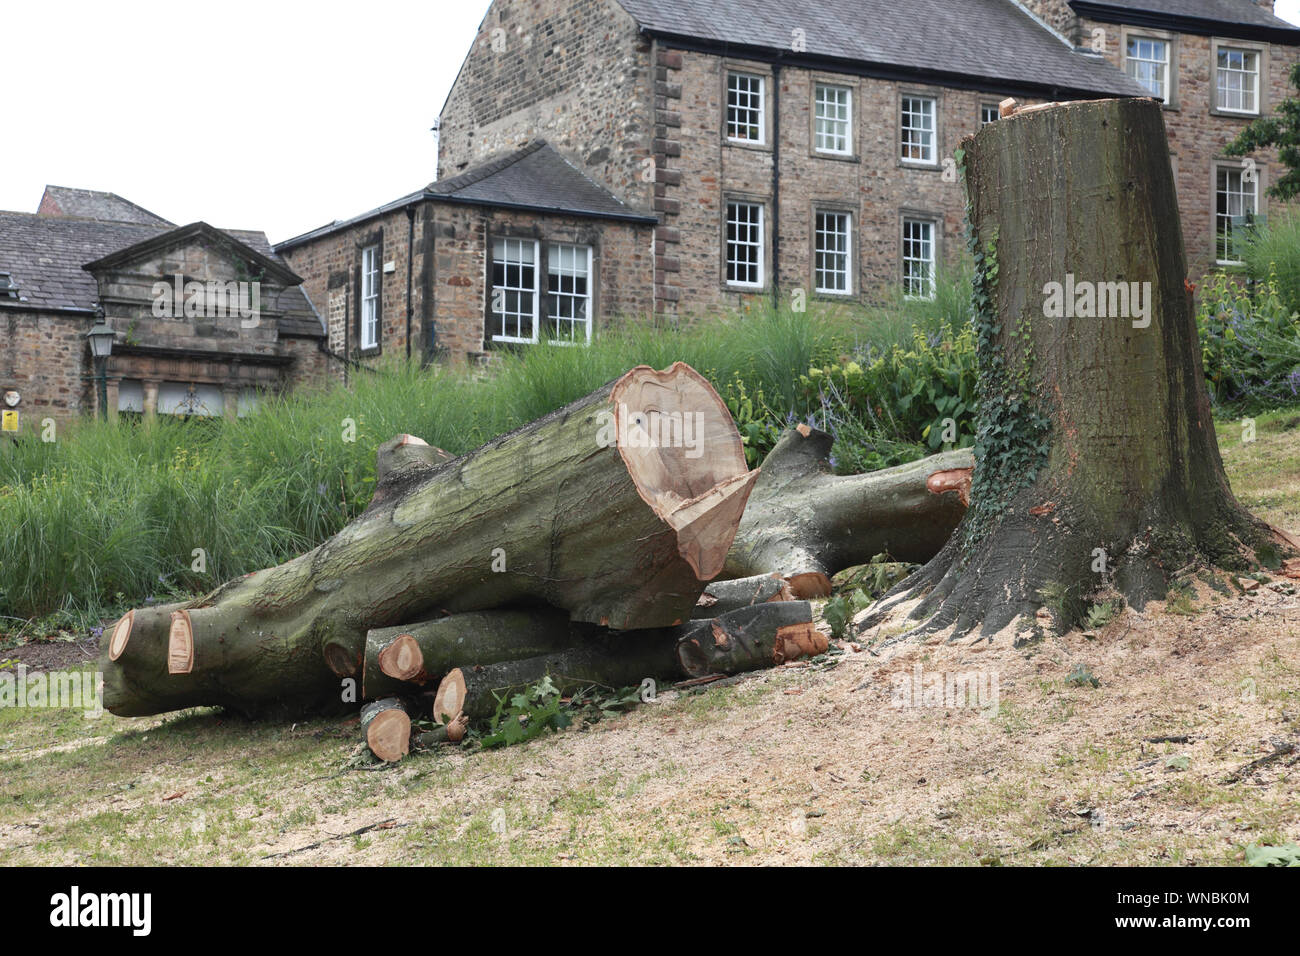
(765, 635)
(386, 729)
(616, 509)
(805, 523)
(608, 660)
(723, 596)
(449, 733)
(746, 639)
(399, 660)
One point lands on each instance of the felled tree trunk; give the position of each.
(750, 638)
(401, 659)
(1097, 465)
(805, 523)
(600, 509)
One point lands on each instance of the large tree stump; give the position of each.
(1096, 460)
(806, 524)
(608, 509)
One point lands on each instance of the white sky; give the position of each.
(271, 115)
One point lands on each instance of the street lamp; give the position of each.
(101, 347)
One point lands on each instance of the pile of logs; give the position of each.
(581, 546)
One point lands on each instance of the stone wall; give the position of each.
(43, 357)
(573, 72)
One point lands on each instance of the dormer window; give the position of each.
(8, 287)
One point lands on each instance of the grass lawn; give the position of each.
(800, 764)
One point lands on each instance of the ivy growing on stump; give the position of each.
(1096, 462)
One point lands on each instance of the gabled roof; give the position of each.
(1239, 18)
(196, 231)
(91, 204)
(535, 178)
(990, 44)
(47, 256)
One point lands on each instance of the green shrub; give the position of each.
(1272, 253)
(1250, 343)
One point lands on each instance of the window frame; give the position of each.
(997, 111)
(763, 79)
(923, 218)
(933, 100)
(490, 338)
(850, 140)
(1231, 166)
(546, 315)
(827, 209)
(761, 259)
(1261, 75)
(373, 299)
(540, 290)
(1170, 40)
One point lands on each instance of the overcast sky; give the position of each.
(271, 115)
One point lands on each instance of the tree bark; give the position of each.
(1097, 467)
(805, 523)
(600, 509)
(721, 597)
(401, 660)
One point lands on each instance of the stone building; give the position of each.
(518, 248)
(1216, 65)
(808, 144)
(204, 320)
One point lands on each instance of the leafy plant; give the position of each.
(840, 609)
(1250, 342)
(1082, 676)
(527, 714)
(1099, 615)
(1288, 854)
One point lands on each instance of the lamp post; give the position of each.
(101, 347)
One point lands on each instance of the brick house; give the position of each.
(518, 247)
(1216, 65)
(806, 144)
(206, 320)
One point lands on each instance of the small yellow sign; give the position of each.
(9, 420)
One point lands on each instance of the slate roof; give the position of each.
(45, 256)
(1239, 12)
(91, 204)
(535, 178)
(992, 42)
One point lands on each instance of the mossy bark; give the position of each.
(1096, 459)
